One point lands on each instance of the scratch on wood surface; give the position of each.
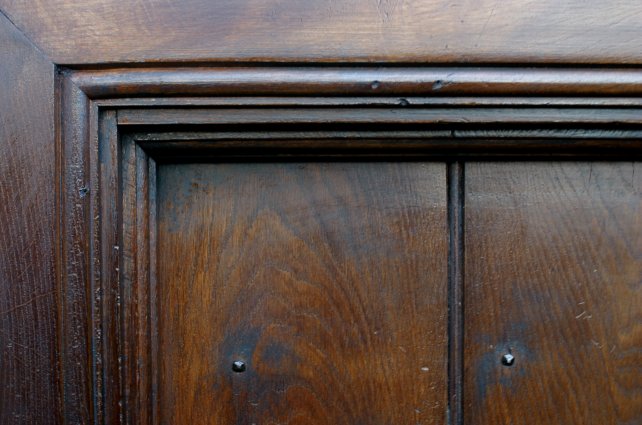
(11, 343)
(26, 303)
(490, 15)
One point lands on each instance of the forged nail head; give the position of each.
(238, 366)
(508, 359)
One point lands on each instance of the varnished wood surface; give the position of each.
(78, 182)
(373, 101)
(327, 279)
(66, 349)
(143, 371)
(553, 273)
(328, 116)
(371, 81)
(518, 31)
(28, 320)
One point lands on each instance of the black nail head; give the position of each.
(508, 359)
(238, 366)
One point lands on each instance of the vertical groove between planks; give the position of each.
(455, 291)
(59, 248)
(153, 292)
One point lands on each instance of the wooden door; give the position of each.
(364, 213)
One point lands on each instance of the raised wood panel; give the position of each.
(28, 299)
(428, 31)
(328, 279)
(553, 276)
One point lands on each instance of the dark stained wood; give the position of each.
(107, 263)
(28, 300)
(78, 177)
(138, 378)
(506, 116)
(138, 287)
(455, 291)
(519, 31)
(327, 279)
(302, 228)
(370, 81)
(438, 145)
(372, 101)
(115, 347)
(553, 274)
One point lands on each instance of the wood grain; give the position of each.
(78, 211)
(429, 31)
(28, 322)
(138, 337)
(327, 279)
(375, 82)
(162, 353)
(455, 291)
(553, 274)
(469, 116)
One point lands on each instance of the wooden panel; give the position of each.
(28, 373)
(553, 276)
(327, 279)
(241, 213)
(100, 31)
